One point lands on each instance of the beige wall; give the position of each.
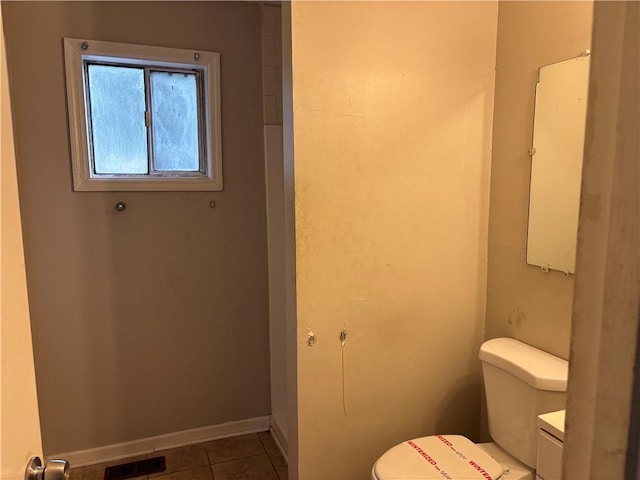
(153, 320)
(392, 125)
(273, 159)
(19, 419)
(522, 301)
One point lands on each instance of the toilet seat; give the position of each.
(437, 457)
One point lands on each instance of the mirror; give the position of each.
(556, 164)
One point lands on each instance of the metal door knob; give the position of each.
(54, 470)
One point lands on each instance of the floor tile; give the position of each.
(96, 472)
(183, 458)
(251, 468)
(201, 473)
(232, 448)
(279, 464)
(268, 442)
(247, 457)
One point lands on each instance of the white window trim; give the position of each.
(83, 178)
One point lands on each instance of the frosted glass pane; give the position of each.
(117, 119)
(174, 113)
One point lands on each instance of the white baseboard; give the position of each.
(143, 446)
(282, 449)
(280, 438)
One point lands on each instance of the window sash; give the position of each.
(148, 68)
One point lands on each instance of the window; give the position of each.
(143, 118)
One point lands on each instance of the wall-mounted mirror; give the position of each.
(556, 165)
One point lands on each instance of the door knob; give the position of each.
(54, 470)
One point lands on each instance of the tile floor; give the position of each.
(248, 457)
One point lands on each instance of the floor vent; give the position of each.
(135, 469)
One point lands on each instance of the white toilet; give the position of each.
(521, 382)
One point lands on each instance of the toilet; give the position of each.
(521, 382)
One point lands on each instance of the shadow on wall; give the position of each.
(459, 409)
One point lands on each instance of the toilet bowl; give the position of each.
(521, 382)
(438, 456)
(469, 461)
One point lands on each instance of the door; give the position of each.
(19, 420)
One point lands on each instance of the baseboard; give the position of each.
(143, 446)
(280, 438)
(282, 450)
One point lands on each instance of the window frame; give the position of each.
(80, 52)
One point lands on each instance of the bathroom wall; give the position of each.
(392, 111)
(153, 320)
(522, 301)
(272, 64)
(274, 178)
(274, 168)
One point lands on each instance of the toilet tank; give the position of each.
(520, 382)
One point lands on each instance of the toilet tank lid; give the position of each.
(539, 369)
